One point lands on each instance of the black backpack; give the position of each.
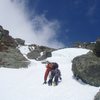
(55, 65)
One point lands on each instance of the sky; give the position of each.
(53, 23)
(79, 19)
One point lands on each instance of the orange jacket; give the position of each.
(48, 69)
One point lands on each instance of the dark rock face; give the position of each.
(36, 52)
(20, 41)
(87, 68)
(45, 55)
(33, 54)
(97, 48)
(97, 96)
(86, 45)
(6, 40)
(10, 56)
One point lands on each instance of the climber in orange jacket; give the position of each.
(49, 67)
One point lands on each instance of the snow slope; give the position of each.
(27, 84)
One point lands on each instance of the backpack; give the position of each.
(55, 65)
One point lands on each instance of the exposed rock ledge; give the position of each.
(10, 56)
(87, 68)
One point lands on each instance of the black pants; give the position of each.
(55, 80)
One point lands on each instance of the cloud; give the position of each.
(14, 16)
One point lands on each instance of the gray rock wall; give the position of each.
(36, 52)
(12, 58)
(97, 96)
(87, 68)
(97, 48)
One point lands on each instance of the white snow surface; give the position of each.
(27, 83)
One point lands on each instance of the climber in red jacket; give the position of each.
(48, 69)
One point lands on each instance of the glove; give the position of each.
(45, 82)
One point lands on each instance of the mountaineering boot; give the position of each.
(54, 84)
(50, 82)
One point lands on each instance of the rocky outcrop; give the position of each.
(97, 96)
(86, 45)
(10, 56)
(97, 48)
(39, 52)
(45, 55)
(6, 40)
(20, 41)
(87, 68)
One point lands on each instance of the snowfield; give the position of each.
(27, 83)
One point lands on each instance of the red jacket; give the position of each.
(49, 68)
